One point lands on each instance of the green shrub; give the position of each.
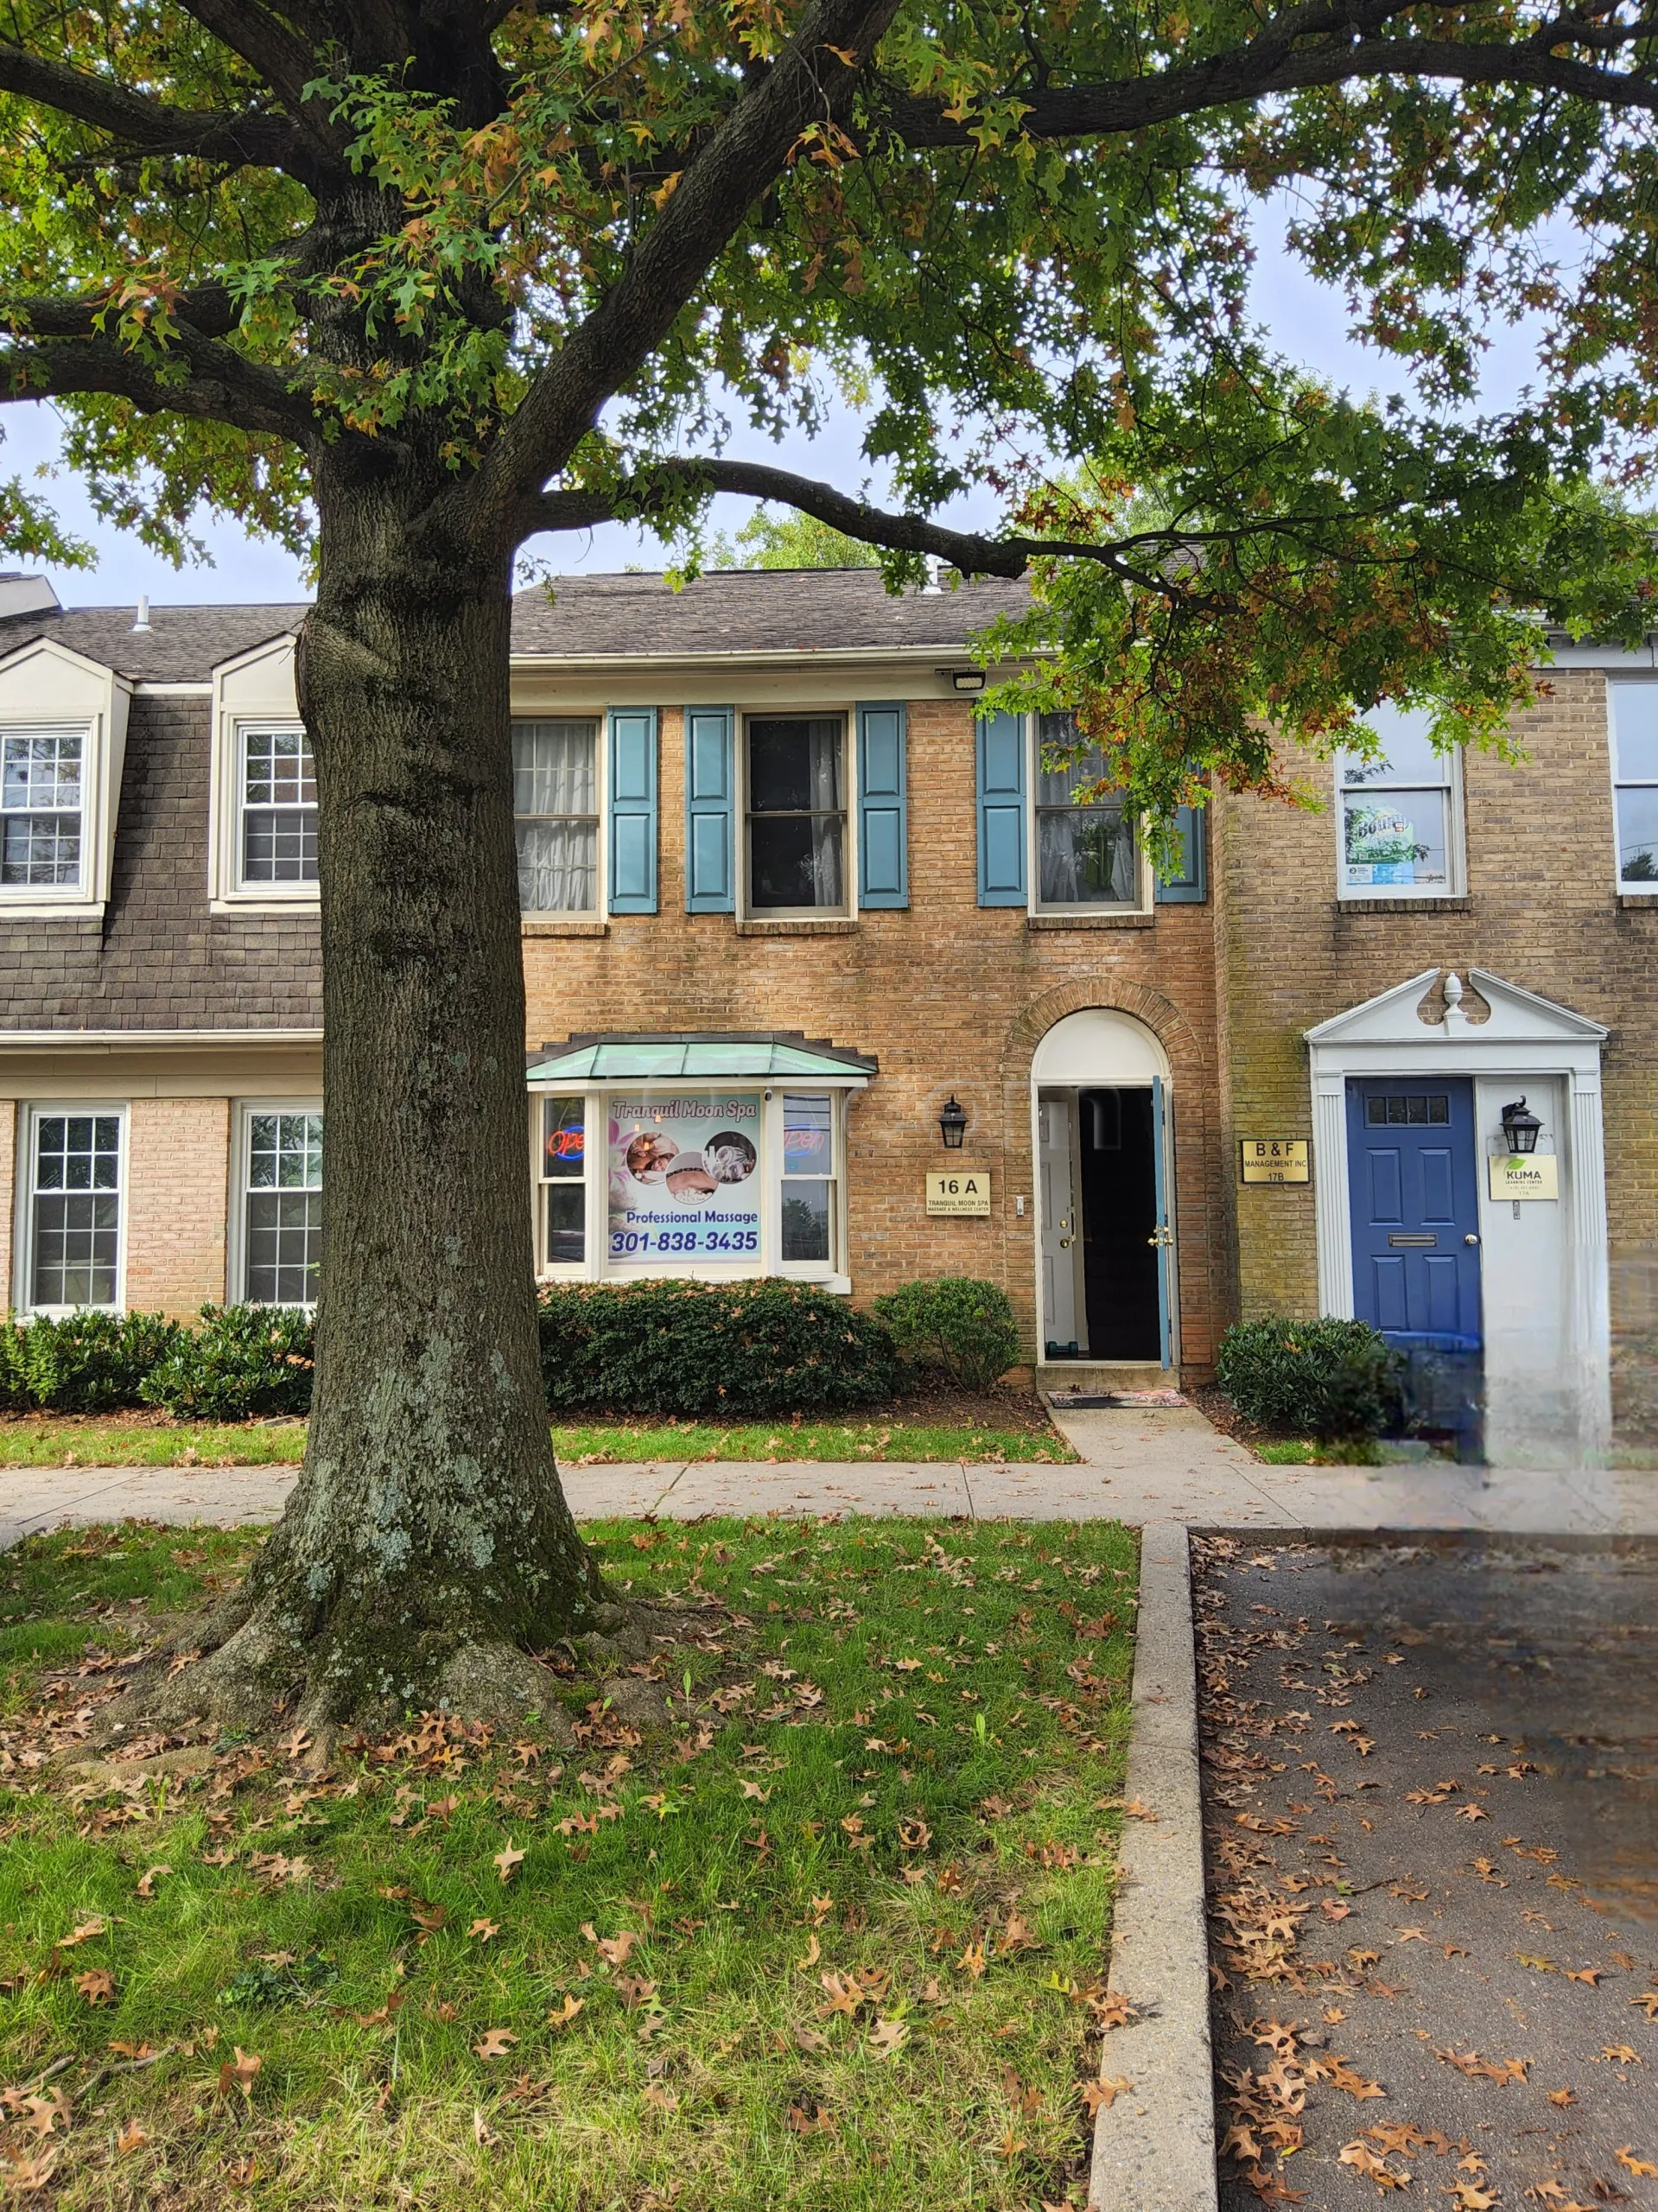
(1315, 1378)
(739, 1349)
(963, 1327)
(242, 1362)
(87, 1363)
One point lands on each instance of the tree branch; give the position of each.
(221, 385)
(808, 82)
(286, 63)
(147, 125)
(1275, 61)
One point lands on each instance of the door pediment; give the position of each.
(1517, 1017)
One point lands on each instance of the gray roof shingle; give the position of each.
(732, 611)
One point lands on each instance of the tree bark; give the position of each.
(428, 1546)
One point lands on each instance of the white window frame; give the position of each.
(236, 1241)
(48, 691)
(1080, 911)
(600, 717)
(1628, 886)
(834, 1275)
(255, 691)
(845, 716)
(564, 1270)
(31, 1113)
(1455, 838)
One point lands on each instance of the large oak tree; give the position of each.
(413, 281)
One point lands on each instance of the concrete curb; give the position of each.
(1154, 2144)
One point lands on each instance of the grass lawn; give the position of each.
(48, 1440)
(830, 1937)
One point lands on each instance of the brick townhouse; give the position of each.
(828, 977)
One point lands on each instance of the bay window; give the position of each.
(562, 1182)
(797, 815)
(808, 1181)
(555, 811)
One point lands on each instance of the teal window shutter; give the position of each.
(883, 807)
(633, 810)
(1001, 810)
(1191, 887)
(710, 810)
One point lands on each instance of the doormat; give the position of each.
(1085, 1401)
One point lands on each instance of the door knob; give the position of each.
(1470, 1238)
(1161, 1237)
(1065, 1244)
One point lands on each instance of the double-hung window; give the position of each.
(556, 810)
(42, 809)
(563, 1182)
(277, 809)
(1087, 855)
(1399, 814)
(282, 1205)
(1635, 783)
(810, 1181)
(73, 1221)
(795, 829)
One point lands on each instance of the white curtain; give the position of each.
(555, 796)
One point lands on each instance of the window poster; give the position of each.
(683, 1183)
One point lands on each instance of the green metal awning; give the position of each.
(698, 1059)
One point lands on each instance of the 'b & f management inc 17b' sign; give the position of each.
(1273, 1159)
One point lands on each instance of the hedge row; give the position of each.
(743, 1350)
(1324, 1378)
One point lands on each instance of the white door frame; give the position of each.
(1526, 1039)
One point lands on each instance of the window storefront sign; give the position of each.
(683, 1183)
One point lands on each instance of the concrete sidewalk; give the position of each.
(1138, 1466)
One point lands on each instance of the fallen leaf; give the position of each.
(481, 2132)
(496, 2044)
(813, 1952)
(1649, 2002)
(23, 2174)
(237, 2073)
(1344, 2078)
(1500, 2070)
(96, 1986)
(507, 1861)
(1631, 2164)
(1468, 2196)
(1563, 2097)
(44, 2114)
(1335, 1910)
(1593, 1975)
(388, 2011)
(1360, 2155)
(132, 2136)
(485, 1929)
(567, 2011)
(664, 2100)
(820, 2123)
(1621, 2054)
(1104, 2092)
(1011, 2144)
(889, 2036)
(83, 1933)
(148, 1878)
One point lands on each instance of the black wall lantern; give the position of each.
(952, 1124)
(1520, 1128)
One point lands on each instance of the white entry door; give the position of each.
(1065, 1320)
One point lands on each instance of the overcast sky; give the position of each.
(1307, 321)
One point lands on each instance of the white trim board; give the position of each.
(1527, 1039)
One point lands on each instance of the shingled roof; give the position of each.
(732, 611)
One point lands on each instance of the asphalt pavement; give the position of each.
(1431, 1783)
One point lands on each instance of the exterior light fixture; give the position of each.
(952, 1124)
(1520, 1127)
(967, 679)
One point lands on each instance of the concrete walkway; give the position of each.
(1137, 1466)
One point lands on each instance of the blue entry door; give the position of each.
(1415, 1183)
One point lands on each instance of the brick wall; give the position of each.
(178, 1169)
(1541, 910)
(950, 996)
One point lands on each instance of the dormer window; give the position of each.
(42, 805)
(278, 808)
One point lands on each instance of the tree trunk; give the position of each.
(428, 1546)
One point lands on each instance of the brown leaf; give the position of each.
(617, 1949)
(820, 2123)
(1011, 2144)
(813, 1952)
(1631, 2164)
(1359, 2155)
(1468, 2196)
(83, 1933)
(132, 2136)
(237, 2073)
(96, 1986)
(387, 2013)
(664, 2100)
(508, 1860)
(497, 2043)
(567, 2011)
(488, 1929)
(1335, 1911)
(148, 1878)
(1104, 2093)
(633, 1991)
(481, 2133)
(1563, 2097)
(23, 2174)
(1649, 2002)
(44, 2114)
(889, 2036)
(844, 1994)
(1500, 2070)
(1593, 1975)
